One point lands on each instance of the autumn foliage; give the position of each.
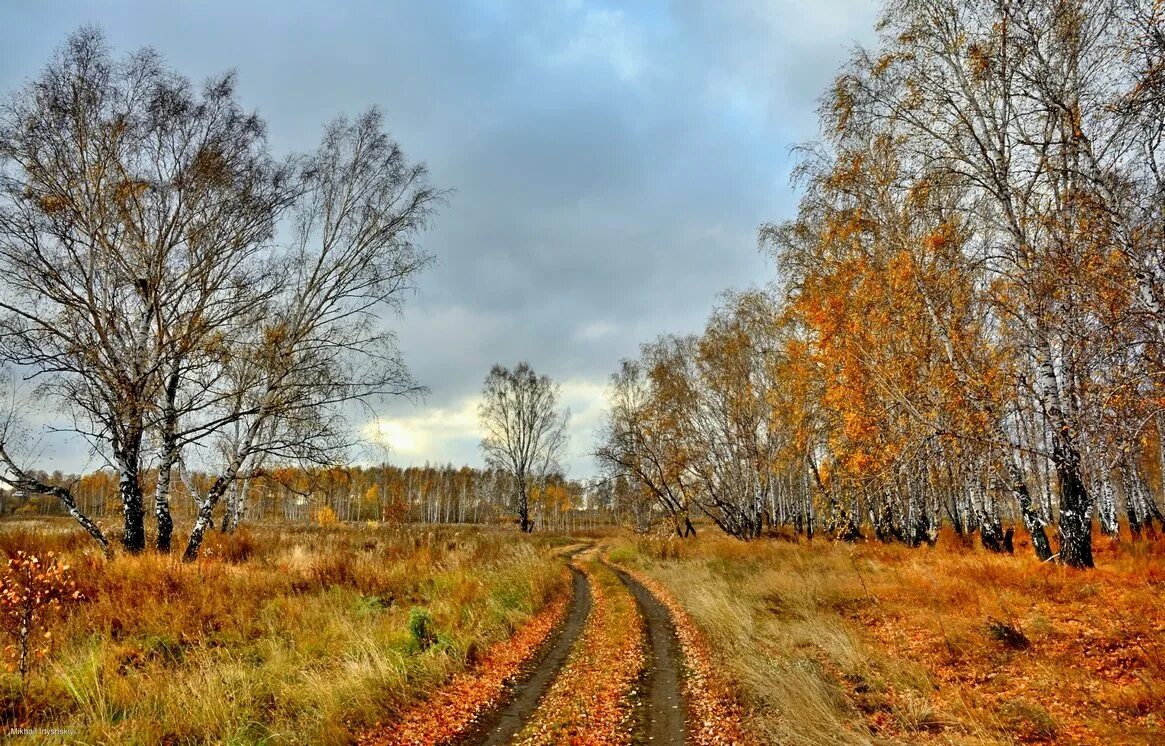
(967, 324)
(31, 589)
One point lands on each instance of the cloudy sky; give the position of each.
(610, 161)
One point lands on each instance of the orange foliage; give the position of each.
(31, 590)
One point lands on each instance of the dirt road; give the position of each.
(500, 727)
(661, 719)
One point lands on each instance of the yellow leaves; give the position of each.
(847, 172)
(31, 589)
(979, 60)
(126, 191)
(274, 335)
(325, 517)
(843, 101)
(51, 204)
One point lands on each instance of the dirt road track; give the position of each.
(662, 718)
(500, 726)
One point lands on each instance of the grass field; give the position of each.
(296, 635)
(325, 635)
(837, 644)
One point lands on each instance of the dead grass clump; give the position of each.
(1007, 633)
(1028, 720)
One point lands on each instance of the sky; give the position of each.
(609, 163)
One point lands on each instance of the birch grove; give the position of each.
(966, 327)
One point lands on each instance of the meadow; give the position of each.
(288, 635)
(834, 643)
(407, 634)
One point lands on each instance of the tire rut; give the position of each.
(502, 724)
(662, 717)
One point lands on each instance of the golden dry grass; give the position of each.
(278, 635)
(838, 644)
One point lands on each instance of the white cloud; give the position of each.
(450, 434)
(595, 330)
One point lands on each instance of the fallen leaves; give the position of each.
(591, 700)
(1089, 669)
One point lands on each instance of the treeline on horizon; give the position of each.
(382, 493)
(967, 327)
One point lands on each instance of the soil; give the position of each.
(503, 723)
(661, 718)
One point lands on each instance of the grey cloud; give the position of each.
(610, 164)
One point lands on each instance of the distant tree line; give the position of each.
(384, 493)
(968, 324)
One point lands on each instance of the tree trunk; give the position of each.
(1075, 513)
(524, 506)
(167, 458)
(162, 502)
(92, 528)
(1075, 506)
(25, 633)
(238, 506)
(1107, 505)
(1032, 520)
(133, 510)
(1132, 510)
(205, 517)
(232, 508)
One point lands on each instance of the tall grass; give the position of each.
(840, 644)
(295, 635)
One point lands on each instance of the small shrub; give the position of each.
(421, 628)
(326, 517)
(30, 590)
(1010, 635)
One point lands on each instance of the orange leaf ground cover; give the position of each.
(590, 703)
(454, 709)
(712, 711)
(1092, 669)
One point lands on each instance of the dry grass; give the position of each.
(838, 644)
(283, 636)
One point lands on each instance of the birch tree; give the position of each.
(183, 296)
(130, 203)
(524, 429)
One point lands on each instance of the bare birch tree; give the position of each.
(524, 431)
(142, 285)
(130, 204)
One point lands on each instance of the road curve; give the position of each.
(662, 719)
(500, 726)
